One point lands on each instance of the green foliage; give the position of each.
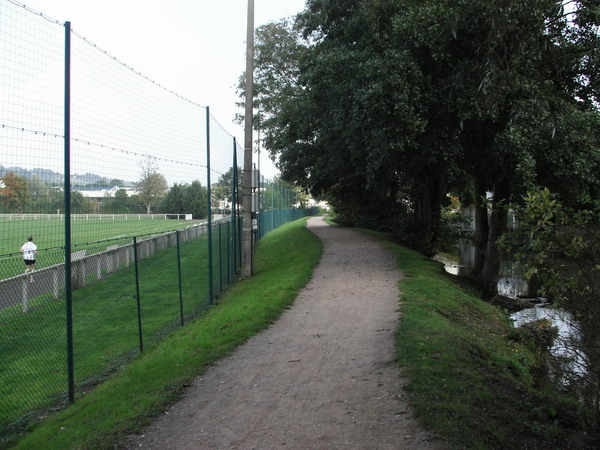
(174, 201)
(80, 204)
(222, 190)
(386, 106)
(186, 199)
(14, 192)
(121, 203)
(197, 200)
(560, 248)
(454, 229)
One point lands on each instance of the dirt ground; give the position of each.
(323, 376)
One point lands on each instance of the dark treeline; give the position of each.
(390, 108)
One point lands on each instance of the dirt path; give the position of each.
(323, 376)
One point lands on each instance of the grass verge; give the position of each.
(284, 262)
(471, 376)
(105, 334)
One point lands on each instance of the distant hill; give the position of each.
(55, 178)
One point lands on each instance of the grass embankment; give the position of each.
(105, 325)
(471, 374)
(284, 263)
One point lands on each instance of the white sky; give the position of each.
(193, 47)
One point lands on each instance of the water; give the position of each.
(566, 346)
(512, 287)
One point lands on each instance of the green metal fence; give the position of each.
(131, 196)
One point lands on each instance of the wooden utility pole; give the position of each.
(247, 188)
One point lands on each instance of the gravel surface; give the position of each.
(323, 376)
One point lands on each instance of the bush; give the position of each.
(561, 248)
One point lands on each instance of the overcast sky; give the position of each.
(193, 47)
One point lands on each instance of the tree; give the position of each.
(512, 74)
(345, 116)
(40, 195)
(115, 182)
(80, 204)
(387, 106)
(561, 248)
(152, 185)
(175, 200)
(14, 192)
(186, 199)
(196, 200)
(222, 189)
(119, 204)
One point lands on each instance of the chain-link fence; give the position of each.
(119, 213)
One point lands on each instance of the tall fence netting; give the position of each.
(154, 213)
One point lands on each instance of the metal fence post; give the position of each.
(229, 253)
(210, 257)
(67, 207)
(220, 258)
(137, 293)
(179, 275)
(234, 203)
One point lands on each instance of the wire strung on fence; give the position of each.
(153, 223)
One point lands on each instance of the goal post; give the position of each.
(178, 216)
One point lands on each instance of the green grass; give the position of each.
(469, 381)
(33, 351)
(49, 237)
(284, 262)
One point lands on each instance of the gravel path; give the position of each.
(323, 376)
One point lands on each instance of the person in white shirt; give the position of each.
(29, 250)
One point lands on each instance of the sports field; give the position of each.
(91, 232)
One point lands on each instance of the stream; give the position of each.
(566, 346)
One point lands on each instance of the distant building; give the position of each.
(99, 194)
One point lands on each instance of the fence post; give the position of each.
(179, 274)
(137, 293)
(234, 202)
(229, 258)
(67, 208)
(210, 256)
(220, 226)
(98, 260)
(272, 206)
(55, 283)
(25, 295)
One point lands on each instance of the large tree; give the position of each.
(152, 185)
(120, 203)
(391, 104)
(14, 192)
(222, 190)
(174, 201)
(196, 200)
(515, 74)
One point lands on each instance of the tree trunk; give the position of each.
(428, 212)
(436, 210)
(423, 214)
(488, 278)
(481, 228)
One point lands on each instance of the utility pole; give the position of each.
(247, 188)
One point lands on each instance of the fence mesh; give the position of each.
(142, 244)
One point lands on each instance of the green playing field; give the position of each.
(86, 232)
